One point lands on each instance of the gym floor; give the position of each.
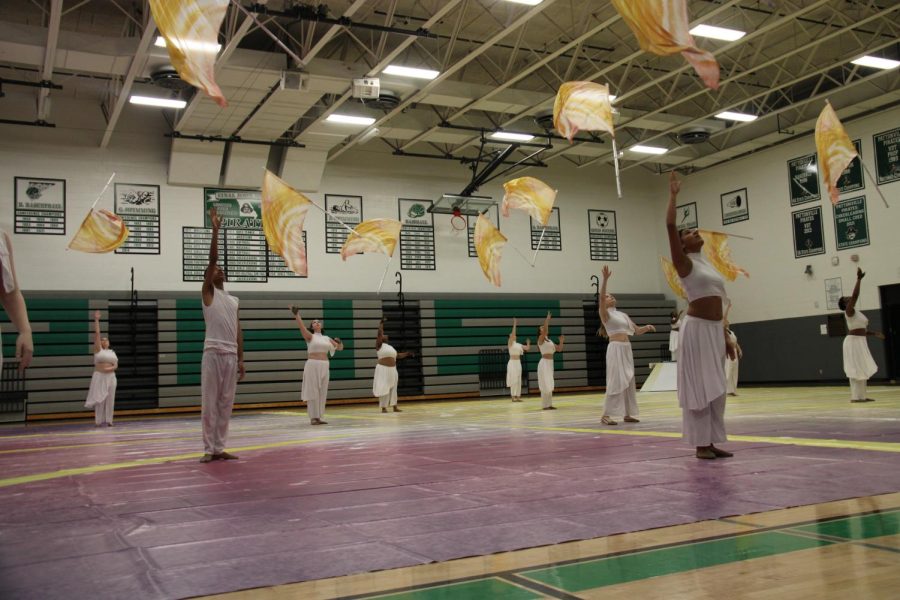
(467, 499)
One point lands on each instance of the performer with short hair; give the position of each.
(545, 366)
(514, 366)
(102, 393)
(386, 380)
(703, 342)
(621, 391)
(859, 365)
(14, 304)
(223, 353)
(316, 371)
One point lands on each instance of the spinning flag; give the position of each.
(715, 247)
(283, 212)
(835, 149)
(582, 106)
(531, 195)
(661, 27)
(100, 232)
(191, 30)
(672, 277)
(489, 244)
(372, 235)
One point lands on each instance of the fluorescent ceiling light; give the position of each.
(163, 102)
(411, 72)
(876, 62)
(718, 33)
(736, 116)
(512, 137)
(528, 2)
(648, 149)
(335, 118)
(191, 45)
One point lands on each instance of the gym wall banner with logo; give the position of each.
(417, 251)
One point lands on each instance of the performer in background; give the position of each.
(545, 366)
(731, 366)
(316, 371)
(384, 386)
(514, 366)
(859, 365)
(673, 333)
(102, 393)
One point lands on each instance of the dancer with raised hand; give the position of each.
(703, 342)
(14, 304)
(223, 353)
(316, 371)
(514, 366)
(102, 393)
(859, 365)
(545, 367)
(386, 380)
(621, 391)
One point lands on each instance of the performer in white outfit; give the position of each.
(102, 393)
(621, 391)
(316, 372)
(545, 367)
(223, 353)
(703, 342)
(731, 366)
(858, 362)
(14, 304)
(384, 386)
(514, 366)
(673, 334)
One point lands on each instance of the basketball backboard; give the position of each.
(472, 206)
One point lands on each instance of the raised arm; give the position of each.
(97, 335)
(303, 330)
(604, 309)
(851, 306)
(545, 332)
(240, 349)
(512, 334)
(379, 339)
(209, 288)
(14, 304)
(681, 261)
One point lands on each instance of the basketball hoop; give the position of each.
(457, 221)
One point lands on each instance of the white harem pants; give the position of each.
(621, 391)
(314, 391)
(701, 381)
(384, 386)
(218, 383)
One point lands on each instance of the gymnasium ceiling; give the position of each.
(500, 64)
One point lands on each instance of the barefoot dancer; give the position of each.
(621, 391)
(223, 353)
(316, 371)
(102, 393)
(514, 366)
(384, 386)
(858, 362)
(545, 366)
(703, 343)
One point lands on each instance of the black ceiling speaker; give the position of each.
(167, 77)
(387, 100)
(696, 135)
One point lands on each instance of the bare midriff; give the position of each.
(319, 356)
(861, 332)
(547, 356)
(105, 367)
(388, 361)
(618, 337)
(709, 308)
(514, 357)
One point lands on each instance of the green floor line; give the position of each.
(857, 528)
(493, 588)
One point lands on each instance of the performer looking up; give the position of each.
(514, 366)
(859, 365)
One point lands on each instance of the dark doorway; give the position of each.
(890, 319)
(594, 345)
(133, 334)
(404, 329)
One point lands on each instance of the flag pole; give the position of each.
(105, 187)
(616, 165)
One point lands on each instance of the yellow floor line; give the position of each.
(149, 461)
(791, 441)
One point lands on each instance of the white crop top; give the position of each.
(9, 284)
(386, 351)
(221, 322)
(857, 321)
(320, 344)
(547, 347)
(703, 280)
(106, 356)
(516, 349)
(618, 322)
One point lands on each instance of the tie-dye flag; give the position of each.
(531, 195)
(100, 232)
(582, 106)
(489, 244)
(662, 28)
(835, 149)
(672, 277)
(283, 212)
(372, 235)
(715, 247)
(191, 31)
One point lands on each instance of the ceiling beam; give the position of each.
(43, 105)
(137, 65)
